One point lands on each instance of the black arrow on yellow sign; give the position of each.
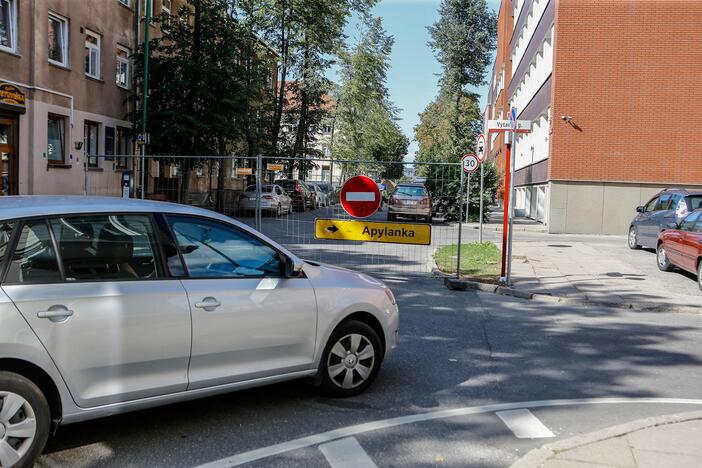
(332, 229)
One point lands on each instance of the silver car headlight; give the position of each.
(390, 295)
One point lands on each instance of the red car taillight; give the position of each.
(267, 197)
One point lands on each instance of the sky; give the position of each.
(413, 76)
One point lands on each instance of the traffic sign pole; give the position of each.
(460, 228)
(511, 210)
(506, 204)
(482, 149)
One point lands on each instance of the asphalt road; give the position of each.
(459, 351)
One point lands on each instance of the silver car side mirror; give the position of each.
(293, 267)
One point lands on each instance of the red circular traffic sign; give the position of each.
(470, 163)
(360, 196)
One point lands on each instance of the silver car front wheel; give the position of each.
(351, 359)
(633, 239)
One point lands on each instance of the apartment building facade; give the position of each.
(608, 86)
(66, 71)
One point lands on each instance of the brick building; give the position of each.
(610, 87)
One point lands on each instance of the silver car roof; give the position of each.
(27, 206)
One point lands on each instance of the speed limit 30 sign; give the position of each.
(470, 163)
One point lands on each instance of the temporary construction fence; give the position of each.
(240, 187)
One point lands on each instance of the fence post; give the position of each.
(259, 161)
(460, 226)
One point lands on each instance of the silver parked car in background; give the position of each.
(110, 305)
(274, 200)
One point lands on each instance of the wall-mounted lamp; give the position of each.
(567, 118)
(78, 145)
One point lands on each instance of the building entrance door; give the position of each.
(9, 127)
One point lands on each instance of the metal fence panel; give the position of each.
(233, 186)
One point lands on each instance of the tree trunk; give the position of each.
(284, 57)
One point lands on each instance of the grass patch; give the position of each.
(480, 261)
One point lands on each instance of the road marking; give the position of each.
(360, 196)
(524, 424)
(348, 431)
(346, 453)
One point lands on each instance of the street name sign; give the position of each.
(522, 126)
(470, 163)
(274, 167)
(360, 196)
(244, 171)
(372, 231)
(480, 148)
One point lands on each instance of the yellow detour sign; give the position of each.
(372, 231)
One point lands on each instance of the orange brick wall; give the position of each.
(630, 74)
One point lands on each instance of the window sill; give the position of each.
(60, 66)
(121, 169)
(124, 88)
(58, 166)
(128, 7)
(14, 53)
(96, 169)
(92, 78)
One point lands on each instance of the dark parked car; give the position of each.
(302, 197)
(669, 206)
(681, 245)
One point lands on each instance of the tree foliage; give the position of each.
(365, 117)
(462, 39)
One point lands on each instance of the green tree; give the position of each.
(462, 39)
(207, 79)
(365, 118)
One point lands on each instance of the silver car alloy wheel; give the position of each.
(18, 427)
(351, 361)
(632, 237)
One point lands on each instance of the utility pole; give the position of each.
(144, 95)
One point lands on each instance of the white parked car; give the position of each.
(110, 305)
(274, 200)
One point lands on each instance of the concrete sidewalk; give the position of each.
(592, 268)
(667, 441)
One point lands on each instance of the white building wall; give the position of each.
(533, 147)
(523, 36)
(539, 69)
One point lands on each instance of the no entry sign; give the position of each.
(470, 163)
(360, 196)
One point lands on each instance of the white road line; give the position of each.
(360, 196)
(348, 431)
(524, 424)
(346, 453)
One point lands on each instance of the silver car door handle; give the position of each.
(208, 303)
(61, 313)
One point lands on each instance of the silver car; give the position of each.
(273, 200)
(110, 305)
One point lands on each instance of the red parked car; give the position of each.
(681, 246)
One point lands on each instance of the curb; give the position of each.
(455, 284)
(537, 457)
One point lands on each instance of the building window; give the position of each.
(124, 2)
(166, 7)
(55, 149)
(90, 143)
(58, 40)
(109, 143)
(124, 147)
(151, 10)
(122, 66)
(92, 54)
(8, 25)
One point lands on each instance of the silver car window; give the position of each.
(34, 259)
(212, 249)
(107, 247)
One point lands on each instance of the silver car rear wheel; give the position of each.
(351, 361)
(18, 428)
